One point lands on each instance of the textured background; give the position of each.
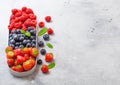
(86, 42)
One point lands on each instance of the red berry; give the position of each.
(18, 14)
(41, 24)
(28, 11)
(50, 31)
(32, 16)
(44, 69)
(27, 22)
(24, 8)
(10, 62)
(48, 18)
(49, 57)
(33, 23)
(14, 11)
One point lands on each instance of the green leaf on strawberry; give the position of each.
(42, 31)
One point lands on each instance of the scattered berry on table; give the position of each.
(44, 69)
(39, 61)
(41, 43)
(50, 31)
(41, 24)
(46, 37)
(43, 51)
(48, 18)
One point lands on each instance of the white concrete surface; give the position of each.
(86, 42)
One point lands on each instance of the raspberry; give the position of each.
(33, 23)
(32, 16)
(41, 24)
(14, 11)
(24, 8)
(27, 22)
(18, 14)
(48, 18)
(50, 31)
(28, 11)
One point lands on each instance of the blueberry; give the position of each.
(28, 45)
(34, 41)
(32, 37)
(21, 39)
(13, 31)
(10, 38)
(43, 51)
(26, 37)
(15, 37)
(21, 46)
(12, 41)
(46, 37)
(29, 29)
(10, 35)
(39, 62)
(17, 44)
(28, 41)
(12, 45)
(24, 42)
(16, 47)
(41, 43)
(33, 45)
(33, 32)
(18, 31)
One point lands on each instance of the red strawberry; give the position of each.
(19, 51)
(26, 50)
(19, 68)
(34, 52)
(50, 31)
(28, 64)
(10, 62)
(10, 54)
(13, 68)
(44, 69)
(20, 59)
(26, 56)
(49, 57)
(8, 48)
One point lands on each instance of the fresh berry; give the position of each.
(39, 61)
(46, 37)
(41, 43)
(19, 51)
(28, 11)
(10, 54)
(13, 68)
(48, 18)
(24, 9)
(43, 51)
(44, 69)
(8, 48)
(26, 50)
(26, 56)
(10, 62)
(20, 59)
(28, 64)
(49, 57)
(19, 68)
(41, 24)
(34, 52)
(50, 31)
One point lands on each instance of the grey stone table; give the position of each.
(86, 42)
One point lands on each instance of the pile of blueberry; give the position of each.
(19, 40)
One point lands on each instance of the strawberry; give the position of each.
(50, 31)
(10, 62)
(13, 68)
(34, 52)
(49, 57)
(27, 65)
(20, 59)
(26, 56)
(10, 54)
(44, 69)
(26, 50)
(19, 51)
(8, 48)
(19, 68)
